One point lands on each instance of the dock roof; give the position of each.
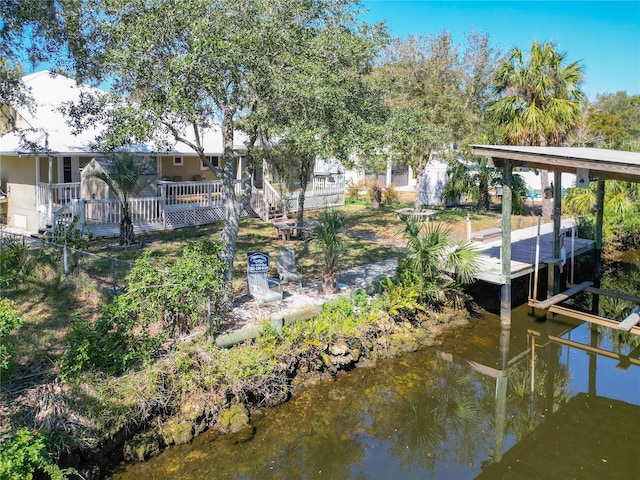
(602, 164)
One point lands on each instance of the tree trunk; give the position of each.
(417, 203)
(126, 225)
(484, 199)
(233, 207)
(329, 283)
(547, 203)
(127, 237)
(304, 174)
(376, 195)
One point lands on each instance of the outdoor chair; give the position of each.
(288, 271)
(263, 289)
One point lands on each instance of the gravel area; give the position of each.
(296, 300)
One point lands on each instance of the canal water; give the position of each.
(549, 399)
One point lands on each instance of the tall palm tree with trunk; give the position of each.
(539, 100)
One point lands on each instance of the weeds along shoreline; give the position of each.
(101, 421)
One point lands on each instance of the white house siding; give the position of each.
(433, 180)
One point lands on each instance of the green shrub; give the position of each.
(10, 319)
(16, 264)
(23, 456)
(115, 343)
(71, 235)
(159, 300)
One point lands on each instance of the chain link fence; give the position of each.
(77, 267)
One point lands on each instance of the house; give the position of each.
(435, 176)
(42, 160)
(402, 178)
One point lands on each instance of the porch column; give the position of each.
(388, 178)
(50, 203)
(505, 262)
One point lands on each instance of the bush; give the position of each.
(159, 300)
(16, 264)
(71, 235)
(10, 319)
(23, 456)
(116, 342)
(390, 194)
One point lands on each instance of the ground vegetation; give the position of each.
(123, 366)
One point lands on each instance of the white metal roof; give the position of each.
(601, 163)
(50, 91)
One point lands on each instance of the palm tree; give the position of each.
(126, 176)
(433, 262)
(332, 245)
(540, 100)
(622, 204)
(464, 179)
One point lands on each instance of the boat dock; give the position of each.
(523, 251)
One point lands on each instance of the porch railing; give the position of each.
(61, 193)
(202, 201)
(205, 194)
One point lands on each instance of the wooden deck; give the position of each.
(523, 252)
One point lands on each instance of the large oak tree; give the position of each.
(177, 67)
(437, 92)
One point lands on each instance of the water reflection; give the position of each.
(541, 400)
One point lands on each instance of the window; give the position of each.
(215, 160)
(66, 169)
(177, 161)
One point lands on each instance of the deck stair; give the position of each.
(267, 203)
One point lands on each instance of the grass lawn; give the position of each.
(361, 218)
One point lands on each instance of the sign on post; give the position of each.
(257, 262)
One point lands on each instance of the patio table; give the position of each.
(286, 230)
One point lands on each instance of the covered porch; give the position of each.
(173, 204)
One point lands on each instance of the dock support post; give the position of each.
(557, 219)
(536, 266)
(505, 262)
(597, 270)
(502, 382)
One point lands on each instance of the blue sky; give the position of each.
(604, 36)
